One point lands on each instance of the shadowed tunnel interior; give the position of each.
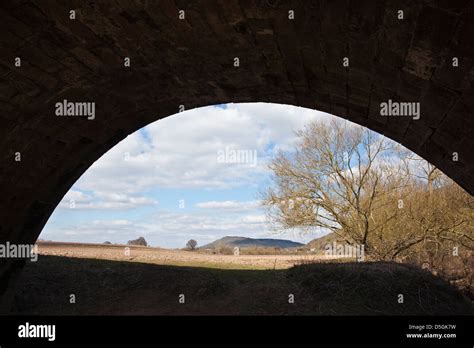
(191, 62)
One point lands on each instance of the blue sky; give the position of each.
(166, 182)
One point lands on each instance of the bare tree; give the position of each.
(360, 185)
(425, 172)
(191, 244)
(342, 177)
(370, 191)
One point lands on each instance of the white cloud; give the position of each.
(77, 196)
(181, 150)
(255, 219)
(229, 205)
(103, 201)
(165, 228)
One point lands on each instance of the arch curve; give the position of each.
(190, 62)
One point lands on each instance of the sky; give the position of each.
(193, 175)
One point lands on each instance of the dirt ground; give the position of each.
(160, 256)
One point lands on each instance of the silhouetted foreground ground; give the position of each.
(106, 287)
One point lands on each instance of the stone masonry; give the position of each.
(425, 53)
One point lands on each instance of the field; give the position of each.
(174, 257)
(105, 281)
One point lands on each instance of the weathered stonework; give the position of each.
(190, 62)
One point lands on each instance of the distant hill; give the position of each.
(243, 242)
(321, 242)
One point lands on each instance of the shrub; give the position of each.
(139, 241)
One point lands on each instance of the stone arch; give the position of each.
(190, 62)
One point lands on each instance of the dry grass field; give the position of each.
(174, 257)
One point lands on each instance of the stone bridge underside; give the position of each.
(190, 62)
